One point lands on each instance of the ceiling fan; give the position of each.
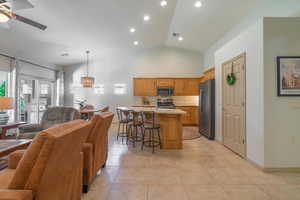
(8, 6)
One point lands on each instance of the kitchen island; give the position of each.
(170, 121)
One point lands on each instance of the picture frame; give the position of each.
(288, 76)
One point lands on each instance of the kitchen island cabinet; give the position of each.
(170, 121)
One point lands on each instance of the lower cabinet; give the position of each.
(191, 116)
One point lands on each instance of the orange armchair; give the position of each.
(95, 148)
(51, 167)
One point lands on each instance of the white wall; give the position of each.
(251, 42)
(282, 127)
(120, 66)
(264, 8)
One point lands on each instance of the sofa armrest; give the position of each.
(30, 128)
(8, 194)
(14, 158)
(88, 166)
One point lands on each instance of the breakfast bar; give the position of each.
(170, 121)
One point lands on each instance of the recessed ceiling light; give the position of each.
(132, 30)
(198, 4)
(146, 18)
(180, 38)
(136, 43)
(64, 54)
(163, 3)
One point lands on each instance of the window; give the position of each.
(99, 89)
(44, 89)
(3, 84)
(27, 89)
(6, 90)
(120, 89)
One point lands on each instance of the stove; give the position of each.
(165, 102)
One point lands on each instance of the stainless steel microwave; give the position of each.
(165, 91)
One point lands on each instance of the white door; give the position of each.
(234, 105)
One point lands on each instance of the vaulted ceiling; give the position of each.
(77, 25)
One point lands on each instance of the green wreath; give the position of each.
(231, 79)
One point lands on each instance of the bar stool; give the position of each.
(150, 127)
(134, 127)
(124, 119)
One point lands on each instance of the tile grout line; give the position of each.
(147, 192)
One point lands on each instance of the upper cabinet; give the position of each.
(165, 82)
(209, 74)
(179, 87)
(187, 86)
(192, 87)
(182, 86)
(144, 87)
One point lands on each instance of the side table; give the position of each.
(10, 125)
(9, 146)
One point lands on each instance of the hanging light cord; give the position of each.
(87, 63)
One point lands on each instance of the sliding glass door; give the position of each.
(35, 96)
(46, 96)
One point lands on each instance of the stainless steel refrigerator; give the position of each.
(207, 109)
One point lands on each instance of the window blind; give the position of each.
(4, 63)
(36, 71)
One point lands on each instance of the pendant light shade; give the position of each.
(87, 81)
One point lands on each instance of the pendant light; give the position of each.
(87, 81)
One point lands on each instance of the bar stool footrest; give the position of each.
(149, 143)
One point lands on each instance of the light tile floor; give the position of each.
(202, 170)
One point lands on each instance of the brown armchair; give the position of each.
(95, 148)
(51, 167)
(105, 109)
(52, 116)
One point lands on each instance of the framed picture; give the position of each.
(288, 76)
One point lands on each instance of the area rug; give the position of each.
(190, 133)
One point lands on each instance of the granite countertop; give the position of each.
(156, 110)
(186, 105)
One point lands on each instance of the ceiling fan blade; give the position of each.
(29, 22)
(20, 4)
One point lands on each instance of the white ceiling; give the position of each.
(77, 25)
(202, 27)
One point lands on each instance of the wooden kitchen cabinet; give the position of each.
(182, 86)
(179, 87)
(144, 87)
(163, 82)
(187, 87)
(192, 87)
(209, 74)
(191, 117)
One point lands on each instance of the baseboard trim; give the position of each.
(287, 170)
(265, 169)
(257, 166)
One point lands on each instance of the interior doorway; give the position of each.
(234, 104)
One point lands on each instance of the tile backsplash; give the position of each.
(186, 100)
(178, 100)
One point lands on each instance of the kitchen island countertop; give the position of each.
(156, 110)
